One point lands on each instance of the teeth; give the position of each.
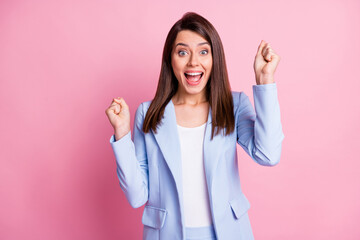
(193, 74)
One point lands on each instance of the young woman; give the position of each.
(182, 161)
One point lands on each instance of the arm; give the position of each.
(132, 164)
(259, 132)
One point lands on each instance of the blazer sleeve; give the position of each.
(259, 132)
(132, 164)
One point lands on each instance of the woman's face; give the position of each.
(191, 60)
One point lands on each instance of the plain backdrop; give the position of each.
(62, 62)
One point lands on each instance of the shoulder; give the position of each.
(141, 110)
(144, 106)
(237, 98)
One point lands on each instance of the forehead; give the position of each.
(190, 38)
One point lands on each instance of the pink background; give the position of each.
(62, 62)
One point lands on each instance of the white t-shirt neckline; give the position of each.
(191, 127)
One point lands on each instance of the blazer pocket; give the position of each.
(154, 217)
(239, 206)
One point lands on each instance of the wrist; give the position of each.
(120, 134)
(265, 80)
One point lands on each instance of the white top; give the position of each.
(196, 199)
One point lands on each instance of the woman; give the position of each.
(182, 161)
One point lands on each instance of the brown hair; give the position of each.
(217, 89)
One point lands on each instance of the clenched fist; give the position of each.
(266, 61)
(119, 117)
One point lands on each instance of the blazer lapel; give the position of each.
(210, 152)
(168, 140)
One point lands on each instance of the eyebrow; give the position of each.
(200, 44)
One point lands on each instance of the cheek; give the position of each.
(177, 66)
(208, 63)
(177, 71)
(174, 67)
(208, 66)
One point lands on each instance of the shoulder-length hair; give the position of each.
(218, 91)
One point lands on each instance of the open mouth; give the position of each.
(193, 78)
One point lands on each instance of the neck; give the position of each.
(182, 97)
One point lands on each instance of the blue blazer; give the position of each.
(149, 167)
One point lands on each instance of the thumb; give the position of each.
(117, 109)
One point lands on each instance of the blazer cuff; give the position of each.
(125, 138)
(264, 87)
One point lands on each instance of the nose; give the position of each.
(193, 60)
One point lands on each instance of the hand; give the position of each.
(266, 61)
(119, 117)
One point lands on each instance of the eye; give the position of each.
(204, 52)
(182, 53)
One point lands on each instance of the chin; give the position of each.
(193, 90)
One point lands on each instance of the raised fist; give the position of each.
(119, 117)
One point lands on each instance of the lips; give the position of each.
(193, 77)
